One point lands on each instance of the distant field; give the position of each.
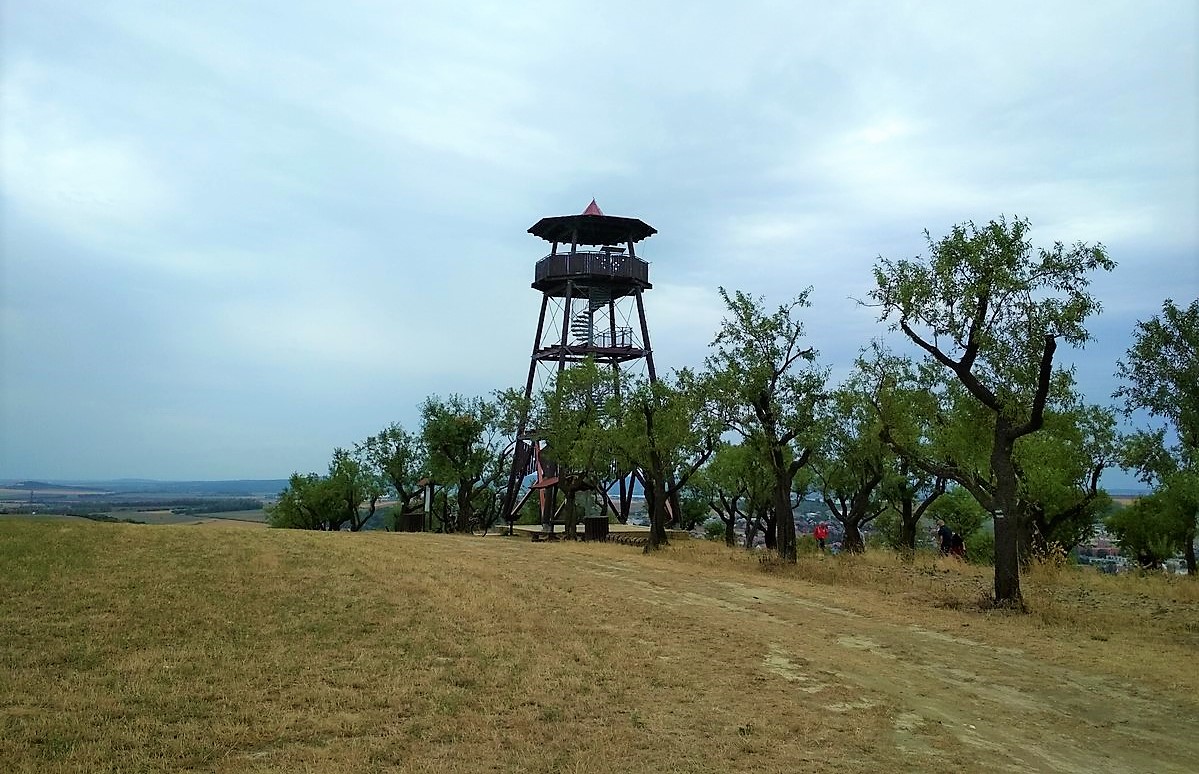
(257, 516)
(23, 495)
(144, 648)
(164, 516)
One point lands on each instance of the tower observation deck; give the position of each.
(592, 266)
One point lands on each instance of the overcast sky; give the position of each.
(238, 234)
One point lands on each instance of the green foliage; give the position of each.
(958, 509)
(1153, 528)
(770, 386)
(355, 483)
(887, 531)
(666, 429)
(850, 463)
(574, 416)
(989, 310)
(309, 502)
(694, 507)
(988, 299)
(1161, 371)
(398, 457)
(980, 547)
(1058, 470)
(737, 484)
(329, 502)
(464, 439)
(530, 512)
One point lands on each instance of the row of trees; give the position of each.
(979, 422)
(458, 449)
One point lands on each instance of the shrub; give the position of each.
(980, 547)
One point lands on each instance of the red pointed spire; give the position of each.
(593, 209)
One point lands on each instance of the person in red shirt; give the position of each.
(821, 534)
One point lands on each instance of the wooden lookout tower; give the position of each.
(591, 285)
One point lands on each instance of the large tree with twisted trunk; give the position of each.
(990, 309)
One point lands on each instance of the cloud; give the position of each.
(95, 186)
(285, 229)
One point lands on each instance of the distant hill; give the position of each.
(40, 486)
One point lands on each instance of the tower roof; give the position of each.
(593, 228)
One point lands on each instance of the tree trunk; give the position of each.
(568, 511)
(1188, 550)
(769, 533)
(784, 521)
(1025, 530)
(1007, 518)
(907, 524)
(465, 509)
(730, 533)
(655, 498)
(751, 532)
(358, 523)
(852, 542)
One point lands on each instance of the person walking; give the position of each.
(821, 534)
(957, 546)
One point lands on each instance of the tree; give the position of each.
(908, 492)
(1160, 373)
(308, 502)
(694, 509)
(934, 425)
(399, 458)
(851, 463)
(1059, 470)
(572, 415)
(912, 414)
(771, 386)
(737, 488)
(667, 429)
(329, 502)
(354, 483)
(1153, 528)
(464, 440)
(990, 309)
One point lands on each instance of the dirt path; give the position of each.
(954, 702)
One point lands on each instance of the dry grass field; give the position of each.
(166, 648)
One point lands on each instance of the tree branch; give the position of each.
(968, 379)
(1037, 418)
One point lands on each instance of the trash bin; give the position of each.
(595, 528)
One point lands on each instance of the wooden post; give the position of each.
(649, 352)
(565, 326)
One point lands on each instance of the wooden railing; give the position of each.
(594, 263)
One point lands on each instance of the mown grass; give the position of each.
(141, 648)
